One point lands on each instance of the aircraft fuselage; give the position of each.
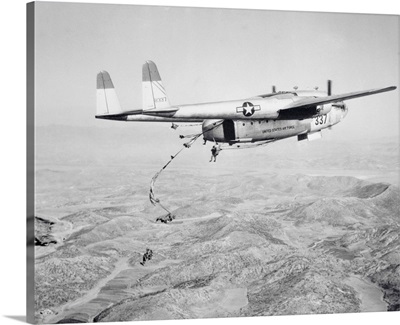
(241, 131)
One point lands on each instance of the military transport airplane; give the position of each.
(263, 118)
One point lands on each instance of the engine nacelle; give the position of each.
(304, 113)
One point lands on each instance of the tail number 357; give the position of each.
(321, 119)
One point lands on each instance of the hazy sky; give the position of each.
(211, 55)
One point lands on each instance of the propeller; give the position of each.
(329, 88)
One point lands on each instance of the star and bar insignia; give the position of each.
(248, 109)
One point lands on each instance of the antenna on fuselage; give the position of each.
(273, 89)
(329, 88)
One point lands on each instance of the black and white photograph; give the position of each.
(196, 163)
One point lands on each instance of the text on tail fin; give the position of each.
(154, 94)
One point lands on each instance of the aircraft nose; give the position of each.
(341, 109)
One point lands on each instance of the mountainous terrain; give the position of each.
(252, 236)
(239, 246)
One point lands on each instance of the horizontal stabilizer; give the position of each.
(162, 112)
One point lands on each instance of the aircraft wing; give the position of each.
(314, 101)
